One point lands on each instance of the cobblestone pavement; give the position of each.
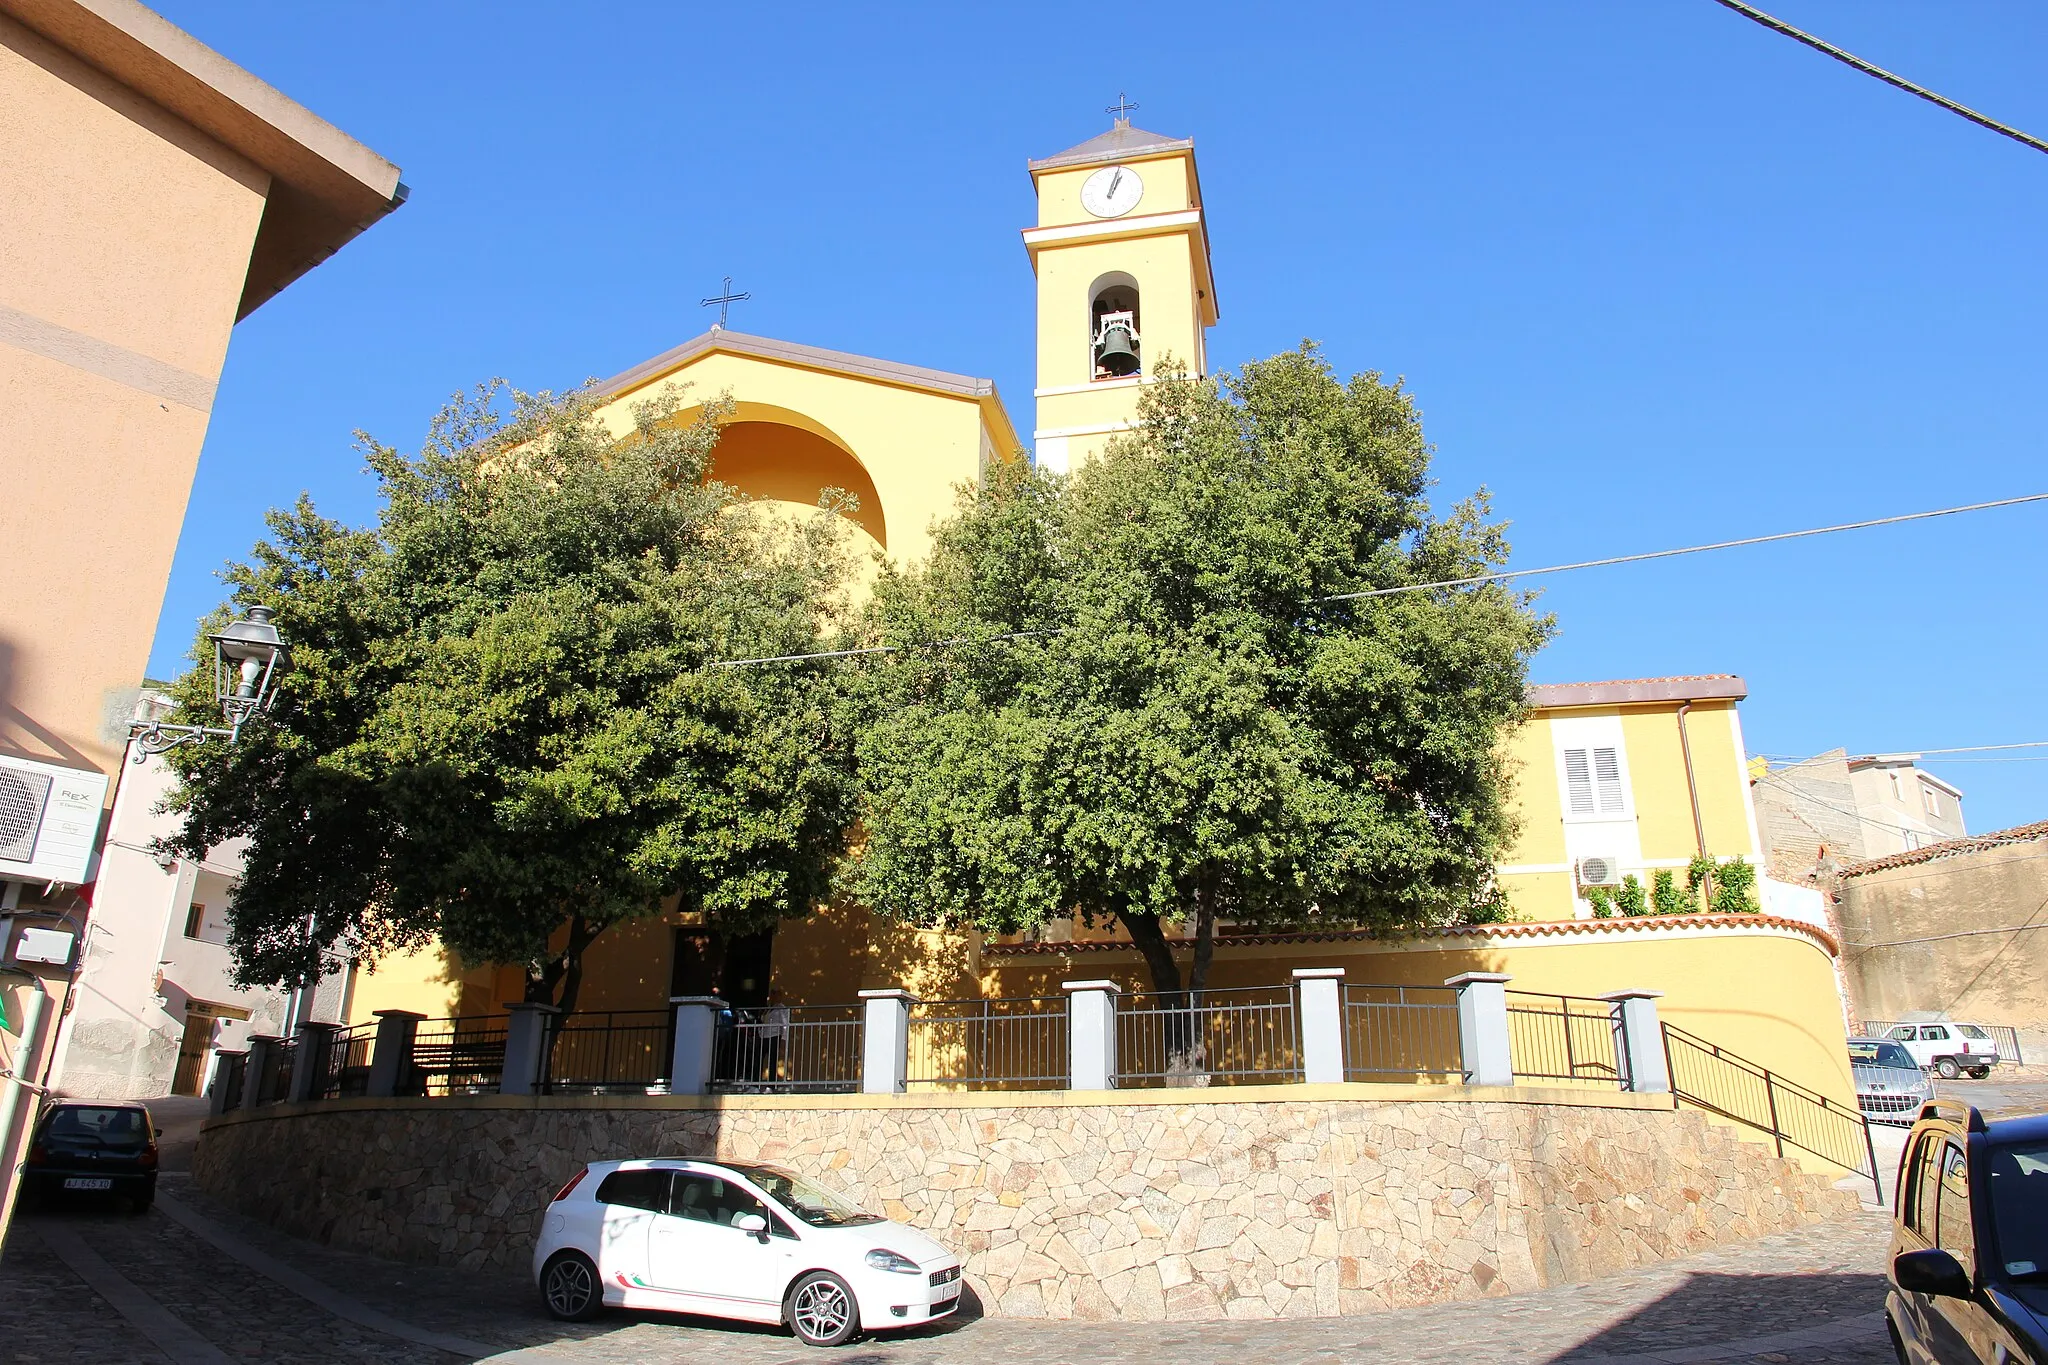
(1810, 1296)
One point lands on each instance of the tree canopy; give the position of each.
(1128, 693)
(497, 729)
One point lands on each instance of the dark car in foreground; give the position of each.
(1969, 1263)
(93, 1147)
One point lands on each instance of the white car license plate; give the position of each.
(947, 1293)
(88, 1183)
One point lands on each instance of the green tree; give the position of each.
(1630, 900)
(1146, 708)
(1735, 889)
(497, 728)
(1665, 897)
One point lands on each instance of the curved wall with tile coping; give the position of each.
(1259, 1202)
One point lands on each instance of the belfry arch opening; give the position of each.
(779, 461)
(1113, 327)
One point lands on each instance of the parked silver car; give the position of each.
(1890, 1086)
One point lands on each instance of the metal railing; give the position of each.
(798, 1049)
(344, 1064)
(2004, 1036)
(1567, 1039)
(1709, 1077)
(614, 1050)
(274, 1085)
(1401, 1033)
(456, 1056)
(1015, 1043)
(1233, 1037)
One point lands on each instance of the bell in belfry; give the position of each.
(1116, 344)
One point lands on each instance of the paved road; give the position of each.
(193, 1282)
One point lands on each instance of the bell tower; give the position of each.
(1122, 259)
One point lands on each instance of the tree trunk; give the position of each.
(563, 970)
(1181, 1022)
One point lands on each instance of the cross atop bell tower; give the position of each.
(1124, 283)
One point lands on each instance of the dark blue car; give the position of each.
(1969, 1264)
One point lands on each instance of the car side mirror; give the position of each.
(1933, 1271)
(753, 1224)
(156, 1132)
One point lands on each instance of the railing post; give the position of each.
(391, 1054)
(1091, 1034)
(526, 1046)
(885, 1041)
(693, 1063)
(1321, 1011)
(309, 1059)
(227, 1066)
(1483, 1027)
(262, 1047)
(1639, 1041)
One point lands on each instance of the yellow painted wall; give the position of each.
(427, 982)
(1169, 188)
(914, 444)
(1164, 267)
(1662, 806)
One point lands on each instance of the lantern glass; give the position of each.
(246, 657)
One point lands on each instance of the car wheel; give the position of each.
(139, 1204)
(822, 1310)
(1978, 1073)
(568, 1282)
(1946, 1068)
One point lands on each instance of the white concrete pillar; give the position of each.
(885, 1041)
(694, 1062)
(1483, 1027)
(1639, 1041)
(261, 1047)
(1320, 1008)
(309, 1059)
(526, 1046)
(391, 1053)
(1091, 1034)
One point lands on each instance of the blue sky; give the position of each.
(1657, 275)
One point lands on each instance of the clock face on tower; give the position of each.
(1112, 192)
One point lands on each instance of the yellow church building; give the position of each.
(1613, 778)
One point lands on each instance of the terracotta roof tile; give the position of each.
(1950, 848)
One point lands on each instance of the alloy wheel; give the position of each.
(570, 1287)
(822, 1311)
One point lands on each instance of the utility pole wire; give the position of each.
(1498, 577)
(1777, 25)
(1503, 576)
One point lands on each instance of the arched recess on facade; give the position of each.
(776, 454)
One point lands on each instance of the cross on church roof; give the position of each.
(725, 300)
(1122, 109)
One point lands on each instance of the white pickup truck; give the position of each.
(1948, 1049)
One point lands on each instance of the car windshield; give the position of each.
(818, 1207)
(110, 1126)
(1971, 1031)
(1881, 1052)
(2019, 1208)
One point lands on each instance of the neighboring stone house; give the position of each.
(1954, 930)
(1825, 812)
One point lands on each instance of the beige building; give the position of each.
(152, 194)
(1836, 808)
(1956, 930)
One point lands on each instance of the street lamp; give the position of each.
(247, 655)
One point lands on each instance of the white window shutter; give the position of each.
(1578, 782)
(1607, 781)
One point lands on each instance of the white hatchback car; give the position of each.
(755, 1243)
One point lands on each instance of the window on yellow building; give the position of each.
(1592, 779)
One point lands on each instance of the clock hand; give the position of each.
(1114, 181)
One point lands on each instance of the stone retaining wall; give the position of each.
(1291, 1201)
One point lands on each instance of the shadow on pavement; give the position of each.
(1825, 1315)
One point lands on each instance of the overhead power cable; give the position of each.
(1472, 580)
(1850, 59)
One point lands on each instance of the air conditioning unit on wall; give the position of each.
(1599, 872)
(49, 820)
